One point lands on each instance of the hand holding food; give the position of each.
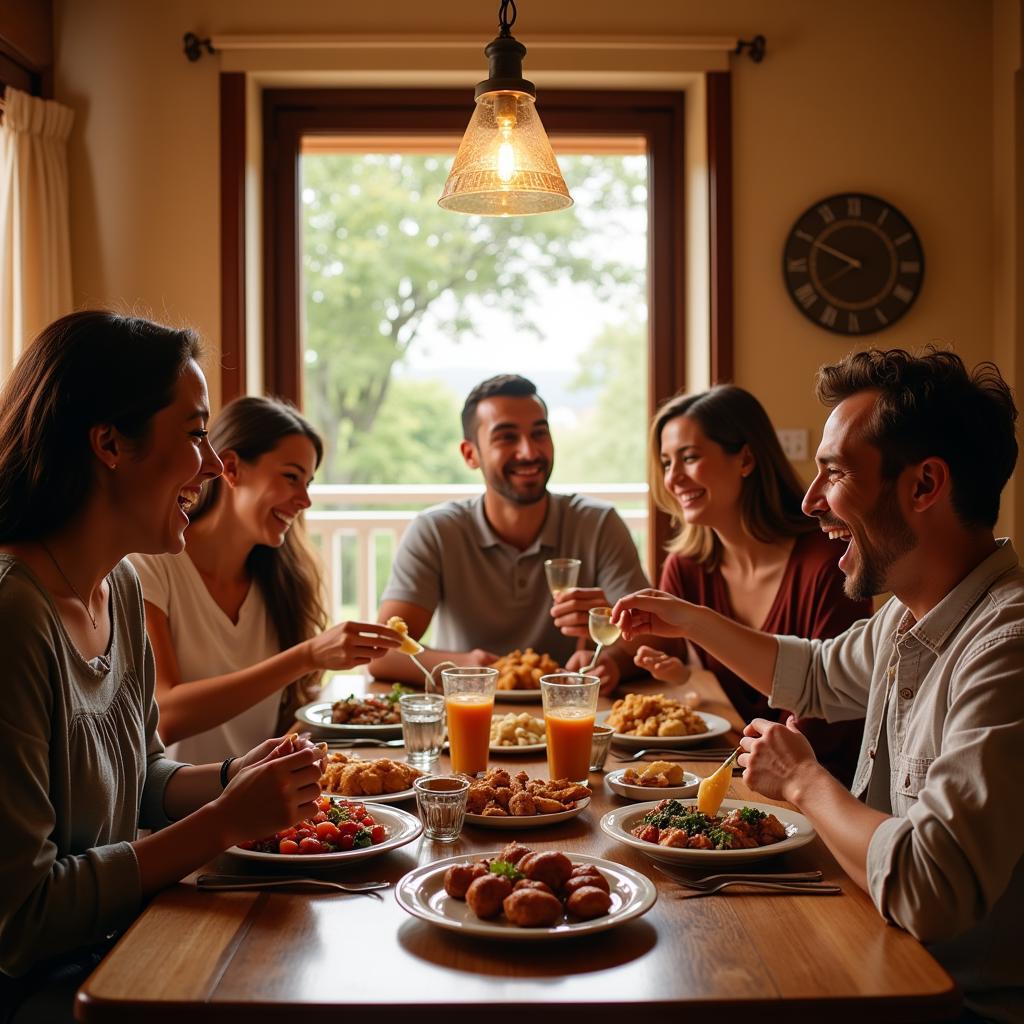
(652, 612)
(778, 758)
(409, 645)
(274, 747)
(271, 794)
(351, 643)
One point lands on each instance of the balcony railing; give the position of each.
(357, 527)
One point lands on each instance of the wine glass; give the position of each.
(603, 631)
(562, 574)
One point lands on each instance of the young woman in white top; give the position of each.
(236, 620)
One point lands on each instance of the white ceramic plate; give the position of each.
(717, 726)
(379, 798)
(521, 821)
(318, 715)
(421, 893)
(402, 828)
(529, 748)
(618, 823)
(632, 791)
(518, 696)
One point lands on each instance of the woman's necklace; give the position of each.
(74, 589)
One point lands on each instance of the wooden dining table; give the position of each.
(194, 956)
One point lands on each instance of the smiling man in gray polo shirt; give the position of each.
(478, 564)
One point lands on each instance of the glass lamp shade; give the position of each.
(505, 166)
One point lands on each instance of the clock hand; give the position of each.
(854, 263)
(839, 273)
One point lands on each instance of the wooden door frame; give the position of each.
(288, 114)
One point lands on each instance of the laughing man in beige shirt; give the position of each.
(913, 458)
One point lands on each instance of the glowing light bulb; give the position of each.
(505, 115)
(506, 162)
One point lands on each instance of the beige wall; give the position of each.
(910, 99)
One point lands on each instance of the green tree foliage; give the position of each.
(415, 440)
(381, 260)
(609, 443)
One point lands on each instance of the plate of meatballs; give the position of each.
(519, 893)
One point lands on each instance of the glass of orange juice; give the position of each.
(469, 703)
(570, 704)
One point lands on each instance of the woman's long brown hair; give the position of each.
(771, 495)
(289, 576)
(86, 368)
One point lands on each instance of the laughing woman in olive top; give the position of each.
(103, 449)
(744, 548)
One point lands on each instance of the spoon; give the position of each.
(593, 661)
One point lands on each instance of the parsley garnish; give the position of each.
(505, 869)
(396, 691)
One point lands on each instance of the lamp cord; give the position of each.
(504, 24)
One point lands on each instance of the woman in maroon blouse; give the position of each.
(744, 548)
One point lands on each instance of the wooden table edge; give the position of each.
(939, 1006)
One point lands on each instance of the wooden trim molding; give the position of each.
(719, 121)
(232, 236)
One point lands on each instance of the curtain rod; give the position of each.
(194, 46)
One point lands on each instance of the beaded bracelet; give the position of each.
(224, 768)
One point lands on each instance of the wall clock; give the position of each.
(853, 264)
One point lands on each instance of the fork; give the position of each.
(736, 876)
(348, 744)
(807, 889)
(707, 754)
(240, 883)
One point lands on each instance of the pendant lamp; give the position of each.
(505, 166)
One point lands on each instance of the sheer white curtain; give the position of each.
(35, 249)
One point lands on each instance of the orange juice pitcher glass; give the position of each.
(469, 703)
(570, 704)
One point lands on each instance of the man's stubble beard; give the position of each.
(886, 519)
(500, 485)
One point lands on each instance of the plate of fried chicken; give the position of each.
(502, 800)
(381, 779)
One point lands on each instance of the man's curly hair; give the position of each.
(929, 405)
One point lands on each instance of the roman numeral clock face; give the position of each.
(853, 264)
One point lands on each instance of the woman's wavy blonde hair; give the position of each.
(771, 495)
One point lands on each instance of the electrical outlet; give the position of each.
(794, 443)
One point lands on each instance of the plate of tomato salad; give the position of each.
(340, 830)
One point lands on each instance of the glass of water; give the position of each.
(422, 728)
(441, 801)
